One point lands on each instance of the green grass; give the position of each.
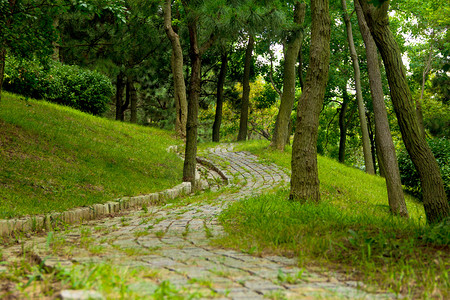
(53, 158)
(351, 230)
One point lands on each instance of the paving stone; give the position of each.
(80, 295)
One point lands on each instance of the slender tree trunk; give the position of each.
(343, 126)
(280, 133)
(133, 103)
(300, 68)
(177, 71)
(373, 148)
(55, 55)
(2, 69)
(219, 104)
(305, 177)
(361, 109)
(119, 95)
(193, 105)
(243, 123)
(385, 146)
(434, 198)
(419, 111)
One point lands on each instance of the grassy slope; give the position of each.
(348, 186)
(350, 230)
(53, 158)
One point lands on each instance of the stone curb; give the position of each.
(209, 164)
(80, 214)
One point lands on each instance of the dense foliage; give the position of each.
(73, 86)
(409, 175)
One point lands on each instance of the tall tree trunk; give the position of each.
(193, 105)
(133, 103)
(177, 71)
(419, 111)
(119, 96)
(293, 44)
(343, 126)
(300, 68)
(361, 109)
(373, 148)
(243, 123)
(385, 146)
(55, 55)
(219, 104)
(305, 177)
(434, 198)
(2, 69)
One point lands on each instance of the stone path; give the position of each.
(168, 249)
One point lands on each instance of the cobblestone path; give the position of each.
(169, 248)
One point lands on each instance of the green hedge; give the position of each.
(409, 176)
(83, 89)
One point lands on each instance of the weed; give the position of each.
(289, 278)
(186, 231)
(207, 230)
(203, 282)
(140, 233)
(160, 233)
(275, 295)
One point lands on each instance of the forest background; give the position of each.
(137, 61)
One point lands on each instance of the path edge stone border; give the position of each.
(78, 215)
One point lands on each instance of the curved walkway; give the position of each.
(170, 247)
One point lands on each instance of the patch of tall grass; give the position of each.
(53, 158)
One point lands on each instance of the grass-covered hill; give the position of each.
(53, 158)
(351, 230)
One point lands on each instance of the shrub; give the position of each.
(79, 88)
(24, 77)
(83, 89)
(409, 176)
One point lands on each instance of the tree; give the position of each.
(195, 53)
(361, 109)
(177, 70)
(242, 136)
(385, 145)
(21, 35)
(219, 102)
(435, 200)
(293, 44)
(305, 178)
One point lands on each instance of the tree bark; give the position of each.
(361, 109)
(243, 123)
(343, 126)
(419, 111)
(133, 103)
(2, 69)
(280, 134)
(305, 177)
(373, 149)
(177, 71)
(434, 198)
(193, 105)
(119, 96)
(219, 104)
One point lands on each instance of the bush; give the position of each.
(83, 89)
(24, 77)
(409, 176)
